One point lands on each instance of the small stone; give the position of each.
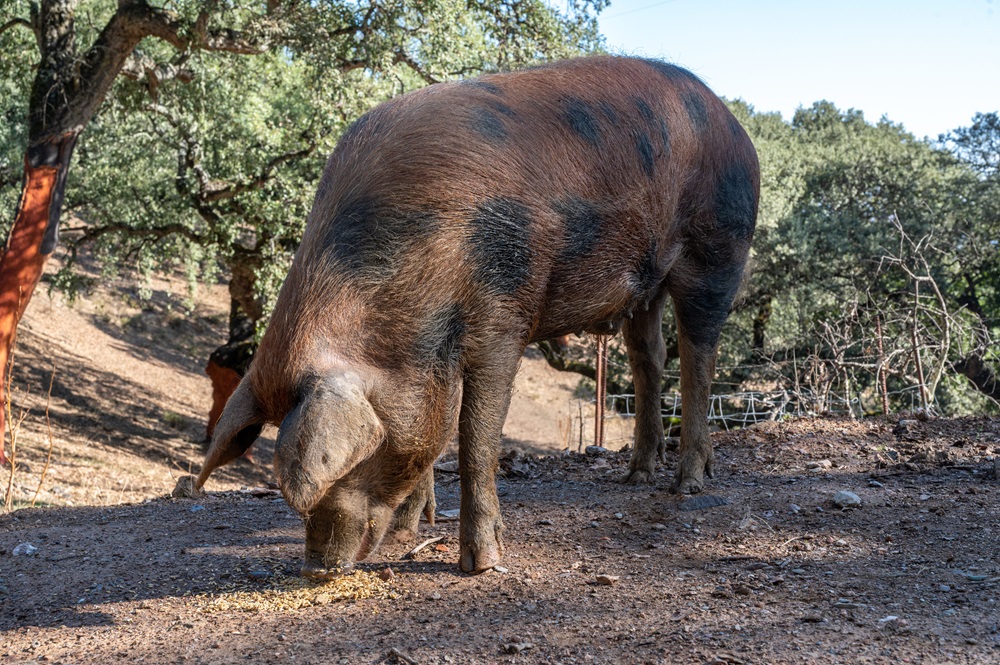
(794, 509)
(259, 574)
(799, 571)
(888, 619)
(500, 569)
(25, 549)
(702, 502)
(659, 527)
(840, 542)
(944, 587)
(844, 499)
(447, 467)
(619, 516)
(544, 522)
(441, 548)
(322, 599)
(196, 508)
(819, 465)
(875, 483)
(435, 595)
(386, 574)
(606, 580)
(185, 488)
(517, 647)
(595, 450)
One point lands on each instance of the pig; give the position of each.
(453, 226)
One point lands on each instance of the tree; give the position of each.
(357, 52)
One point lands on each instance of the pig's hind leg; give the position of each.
(702, 300)
(646, 355)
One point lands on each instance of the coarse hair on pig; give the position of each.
(453, 226)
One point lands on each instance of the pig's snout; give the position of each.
(345, 527)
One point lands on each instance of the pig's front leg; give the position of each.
(485, 399)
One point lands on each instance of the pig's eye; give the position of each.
(326, 459)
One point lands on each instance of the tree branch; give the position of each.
(16, 22)
(212, 194)
(91, 233)
(406, 59)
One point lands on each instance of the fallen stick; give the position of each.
(401, 657)
(429, 541)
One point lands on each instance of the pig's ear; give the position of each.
(238, 427)
(332, 429)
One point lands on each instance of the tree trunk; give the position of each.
(68, 89)
(981, 375)
(32, 238)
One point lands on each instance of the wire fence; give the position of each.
(726, 411)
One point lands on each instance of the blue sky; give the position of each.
(928, 64)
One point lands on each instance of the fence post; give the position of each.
(880, 378)
(916, 348)
(602, 370)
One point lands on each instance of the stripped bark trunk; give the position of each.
(31, 240)
(69, 87)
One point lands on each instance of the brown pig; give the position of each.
(453, 226)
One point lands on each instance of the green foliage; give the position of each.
(202, 161)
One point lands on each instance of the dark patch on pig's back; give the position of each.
(583, 224)
(485, 86)
(736, 202)
(580, 117)
(366, 237)
(500, 244)
(644, 149)
(656, 124)
(488, 124)
(697, 110)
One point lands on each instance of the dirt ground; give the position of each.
(767, 570)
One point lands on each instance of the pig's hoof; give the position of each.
(477, 561)
(689, 485)
(638, 477)
(691, 473)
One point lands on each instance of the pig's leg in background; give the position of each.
(485, 399)
(646, 355)
(421, 501)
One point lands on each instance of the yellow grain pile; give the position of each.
(282, 593)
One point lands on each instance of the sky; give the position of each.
(928, 64)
